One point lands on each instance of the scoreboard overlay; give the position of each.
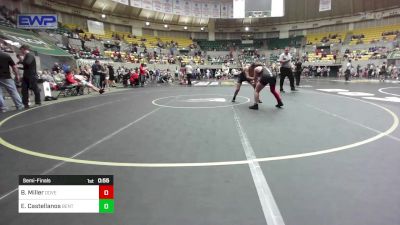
(66, 194)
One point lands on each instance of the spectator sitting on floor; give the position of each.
(79, 81)
(134, 78)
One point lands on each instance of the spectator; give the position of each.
(125, 77)
(383, 72)
(96, 52)
(7, 83)
(86, 73)
(189, 72)
(347, 72)
(79, 81)
(299, 69)
(104, 79)
(134, 78)
(143, 73)
(56, 68)
(111, 74)
(97, 73)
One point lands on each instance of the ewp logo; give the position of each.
(37, 21)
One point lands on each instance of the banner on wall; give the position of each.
(167, 6)
(136, 3)
(196, 8)
(324, 5)
(178, 7)
(147, 4)
(157, 5)
(206, 10)
(224, 10)
(238, 8)
(95, 27)
(216, 10)
(230, 9)
(125, 2)
(187, 8)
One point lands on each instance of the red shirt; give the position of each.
(134, 77)
(96, 52)
(143, 70)
(69, 77)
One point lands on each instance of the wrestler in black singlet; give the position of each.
(242, 77)
(266, 77)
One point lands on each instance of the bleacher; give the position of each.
(317, 38)
(70, 26)
(218, 45)
(62, 30)
(273, 57)
(150, 41)
(276, 43)
(312, 57)
(226, 45)
(374, 34)
(366, 54)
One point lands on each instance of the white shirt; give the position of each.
(348, 66)
(189, 69)
(287, 58)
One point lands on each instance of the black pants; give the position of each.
(189, 77)
(347, 75)
(298, 74)
(142, 80)
(102, 81)
(30, 83)
(287, 72)
(369, 74)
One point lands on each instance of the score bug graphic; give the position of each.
(37, 21)
(66, 194)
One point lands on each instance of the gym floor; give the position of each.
(187, 155)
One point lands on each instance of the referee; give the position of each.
(286, 69)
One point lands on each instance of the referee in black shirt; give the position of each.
(29, 79)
